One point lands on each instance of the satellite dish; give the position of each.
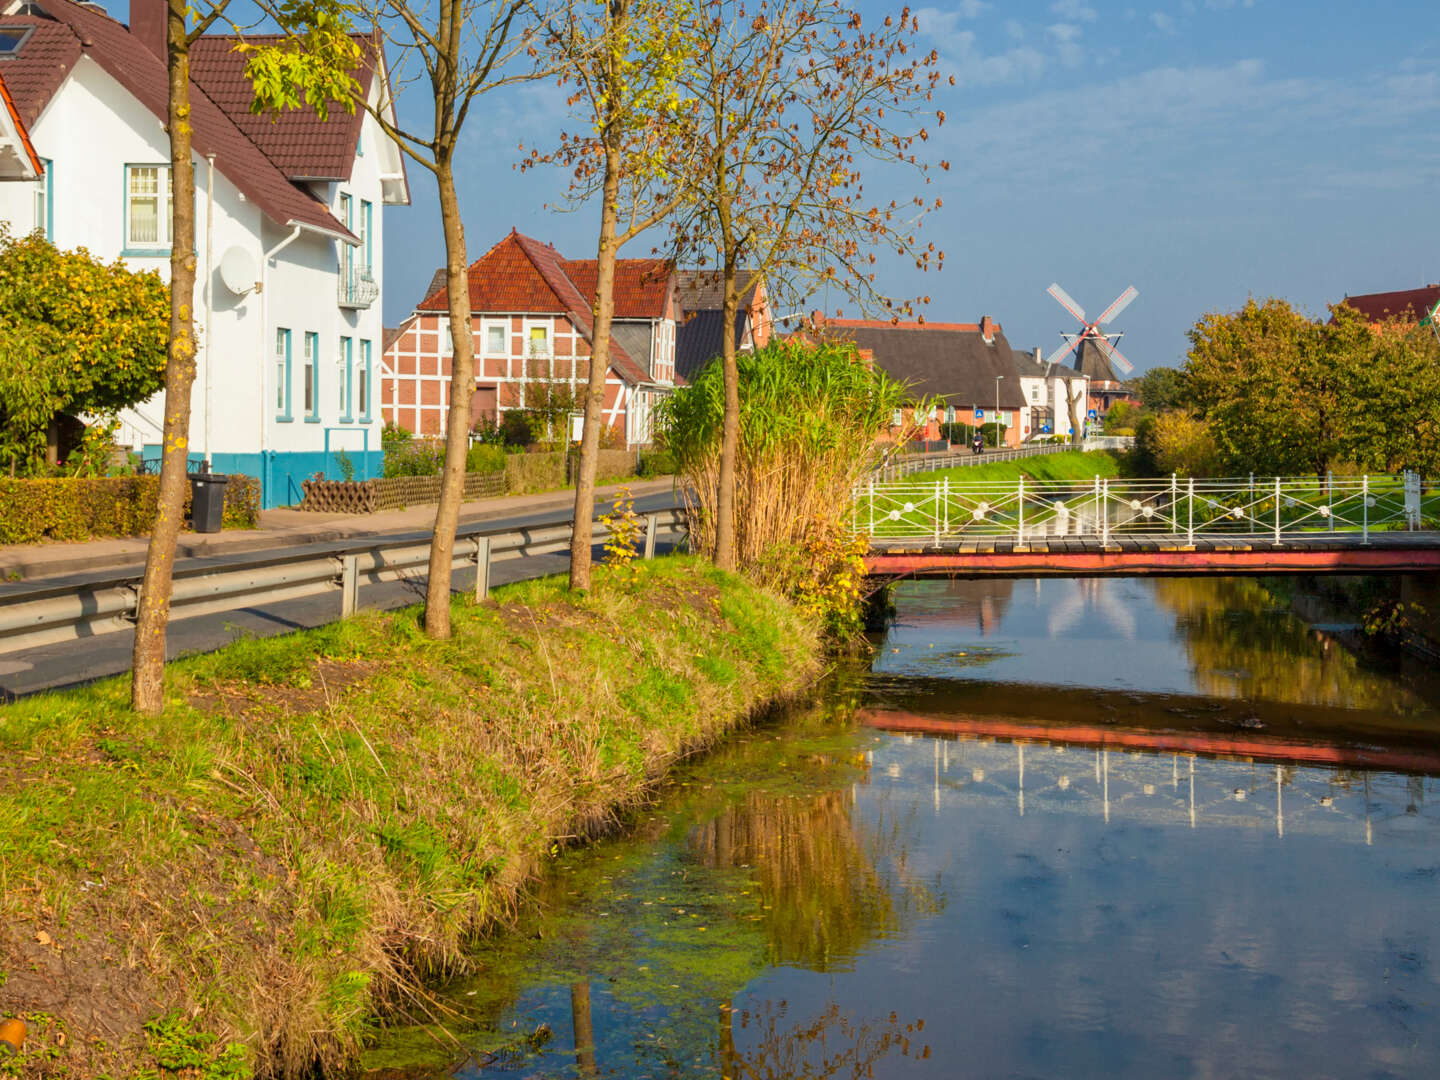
(238, 271)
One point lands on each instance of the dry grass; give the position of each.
(322, 821)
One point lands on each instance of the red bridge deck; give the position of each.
(1386, 553)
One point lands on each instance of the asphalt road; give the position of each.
(84, 660)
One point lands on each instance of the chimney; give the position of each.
(988, 326)
(147, 24)
(817, 319)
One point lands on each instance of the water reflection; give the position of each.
(1003, 854)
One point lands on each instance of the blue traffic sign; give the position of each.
(1093, 414)
(1044, 429)
(979, 414)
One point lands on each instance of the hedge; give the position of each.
(88, 508)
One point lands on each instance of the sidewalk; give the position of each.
(285, 528)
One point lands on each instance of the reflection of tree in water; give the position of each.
(827, 887)
(830, 1045)
(1241, 646)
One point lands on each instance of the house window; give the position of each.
(344, 357)
(149, 199)
(366, 253)
(495, 344)
(282, 374)
(1034, 393)
(12, 38)
(312, 377)
(347, 253)
(539, 341)
(45, 200)
(897, 418)
(363, 385)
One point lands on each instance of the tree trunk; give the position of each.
(725, 557)
(604, 310)
(457, 430)
(147, 691)
(1077, 414)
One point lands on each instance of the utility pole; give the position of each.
(997, 410)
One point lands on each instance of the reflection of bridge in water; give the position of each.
(1156, 778)
(1245, 525)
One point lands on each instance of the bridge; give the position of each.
(1173, 526)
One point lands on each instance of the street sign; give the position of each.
(1045, 429)
(979, 414)
(1093, 414)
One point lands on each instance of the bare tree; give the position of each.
(185, 22)
(791, 98)
(621, 62)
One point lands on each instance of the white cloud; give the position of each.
(938, 22)
(1074, 10)
(1164, 23)
(1066, 39)
(1015, 29)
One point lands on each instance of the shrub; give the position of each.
(415, 457)
(659, 462)
(485, 458)
(534, 472)
(86, 508)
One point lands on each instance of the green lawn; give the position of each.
(1070, 465)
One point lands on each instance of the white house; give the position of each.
(288, 229)
(1050, 391)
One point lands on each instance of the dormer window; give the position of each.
(12, 39)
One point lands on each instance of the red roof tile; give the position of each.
(642, 286)
(1411, 305)
(142, 74)
(45, 59)
(522, 275)
(297, 140)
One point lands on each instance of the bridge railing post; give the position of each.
(935, 513)
(1412, 500)
(1105, 513)
(945, 506)
(1099, 507)
(1277, 510)
(1190, 512)
(1020, 513)
(1365, 509)
(870, 499)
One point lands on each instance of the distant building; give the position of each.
(700, 332)
(1105, 387)
(1052, 393)
(967, 368)
(532, 323)
(1420, 307)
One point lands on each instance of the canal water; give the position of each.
(1103, 828)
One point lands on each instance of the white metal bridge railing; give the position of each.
(1261, 508)
(901, 465)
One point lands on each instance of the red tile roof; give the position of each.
(20, 132)
(522, 275)
(45, 59)
(297, 140)
(1411, 305)
(886, 324)
(143, 75)
(642, 286)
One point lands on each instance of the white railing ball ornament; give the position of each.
(1237, 512)
(909, 508)
(1134, 504)
(980, 511)
(1148, 512)
(1369, 500)
(1324, 511)
(894, 515)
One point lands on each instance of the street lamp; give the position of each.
(997, 410)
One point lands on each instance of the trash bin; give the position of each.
(207, 501)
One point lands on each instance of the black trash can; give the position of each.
(207, 501)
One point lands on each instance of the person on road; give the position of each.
(977, 444)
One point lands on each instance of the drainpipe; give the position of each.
(209, 304)
(264, 353)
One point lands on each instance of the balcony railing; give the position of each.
(357, 289)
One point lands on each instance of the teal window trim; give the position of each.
(367, 220)
(49, 181)
(282, 343)
(312, 341)
(347, 383)
(368, 403)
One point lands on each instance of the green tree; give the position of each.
(324, 38)
(1161, 388)
(790, 99)
(76, 336)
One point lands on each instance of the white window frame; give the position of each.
(549, 331)
(489, 325)
(165, 212)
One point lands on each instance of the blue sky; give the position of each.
(1201, 150)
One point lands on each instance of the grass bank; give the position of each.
(1068, 465)
(322, 820)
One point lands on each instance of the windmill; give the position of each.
(1101, 341)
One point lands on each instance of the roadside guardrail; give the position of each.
(90, 605)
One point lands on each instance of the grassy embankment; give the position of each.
(1067, 465)
(319, 821)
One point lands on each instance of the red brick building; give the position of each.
(531, 314)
